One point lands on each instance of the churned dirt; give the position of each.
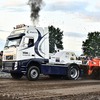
(46, 88)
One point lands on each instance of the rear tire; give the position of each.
(33, 73)
(73, 72)
(16, 75)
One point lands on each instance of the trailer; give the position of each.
(26, 52)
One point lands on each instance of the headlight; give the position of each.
(4, 57)
(14, 57)
(2, 67)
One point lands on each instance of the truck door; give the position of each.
(28, 48)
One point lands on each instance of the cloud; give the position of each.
(89, 16)
(79, 9)
(3, 31)
(14, 4)
(16, 9)
(72, 34)
(2, 43)
(97, 5)
(67, 6)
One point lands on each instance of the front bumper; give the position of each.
(13, 67)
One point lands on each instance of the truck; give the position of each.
(26, 52)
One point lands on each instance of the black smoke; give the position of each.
(36, 6)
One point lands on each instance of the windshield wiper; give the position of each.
(6, 47)
(12, 46)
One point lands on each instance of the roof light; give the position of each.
(20, 26)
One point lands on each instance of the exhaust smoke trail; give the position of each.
(36, 6)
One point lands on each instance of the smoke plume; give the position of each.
(36, 6)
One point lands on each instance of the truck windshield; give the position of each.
(13, 41)
(17, 32)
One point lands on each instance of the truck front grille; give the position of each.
(9, 57)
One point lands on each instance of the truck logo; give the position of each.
(8, 51)
(37, 43)
(31, 32)
(10, 57)
(26, 54)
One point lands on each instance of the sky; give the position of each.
(76, 18)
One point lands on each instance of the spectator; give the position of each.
(30, 44)
(86, 58)
(0, 55)
(91, 58)
(79, 58)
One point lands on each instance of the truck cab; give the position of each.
(25, 45)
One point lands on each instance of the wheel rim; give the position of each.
(34, 73)
(73, 73)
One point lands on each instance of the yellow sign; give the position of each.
(72, 54)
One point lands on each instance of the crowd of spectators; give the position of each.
(85, 58)
(1, 53)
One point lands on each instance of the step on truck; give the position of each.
(26, 52)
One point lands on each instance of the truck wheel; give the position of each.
(16, 75)
(33, 73)
(73, 72)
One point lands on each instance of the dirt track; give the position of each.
(48, 89)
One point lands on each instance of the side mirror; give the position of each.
(26, 40)
(25, 43)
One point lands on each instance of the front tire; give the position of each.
(16, 75)
(33, 73)
(73, 72)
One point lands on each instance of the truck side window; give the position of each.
(31, 43)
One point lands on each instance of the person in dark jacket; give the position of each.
(30, 44)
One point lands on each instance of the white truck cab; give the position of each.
(17, 44)
(18, 52)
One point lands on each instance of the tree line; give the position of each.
(91, 46)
